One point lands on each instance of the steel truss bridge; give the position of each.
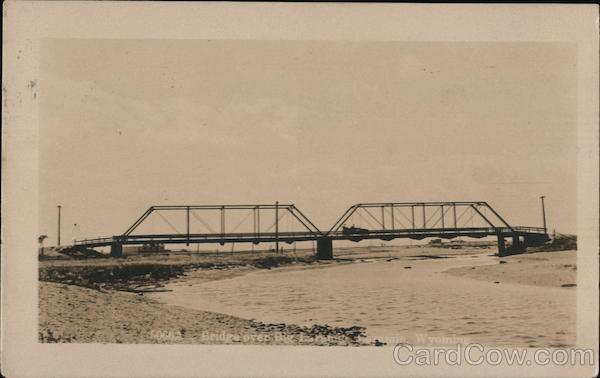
(388, 221)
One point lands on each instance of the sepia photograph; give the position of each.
(306, 192)
(416, 198)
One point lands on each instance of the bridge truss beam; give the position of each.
(440, 210)
(255, 211)
(439, 219)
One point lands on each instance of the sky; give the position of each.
(126, 124)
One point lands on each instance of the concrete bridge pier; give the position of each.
(517, 246)
(324, 248)
(501, 245)
(516, 243)
(116, 249)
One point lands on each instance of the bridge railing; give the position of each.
(490, 230)
(185, 238)
(532, 230)
(94, 241)
(218, 236)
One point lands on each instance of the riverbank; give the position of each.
(150, 271)
(70, 313)
(129, 300)
(144, 273)
(105, 301)
(548, 269)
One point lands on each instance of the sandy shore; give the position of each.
(70, 313)
(549, 269)
(99, 313)
(97, 307)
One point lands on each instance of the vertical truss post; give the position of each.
(258, 220)
(454, 212)
(393, 223)
(276, 226)
(442, 215)
(412, 210)
(424, 218)
(254, 221)
(187, 212)
(383, 217)
(222, 222)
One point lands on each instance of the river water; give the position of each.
(421, 304)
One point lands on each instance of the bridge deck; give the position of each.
(290, 237)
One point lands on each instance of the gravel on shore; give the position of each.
(70, 313)
(103, 301)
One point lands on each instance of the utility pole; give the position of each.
(58, 238)
(543, 212)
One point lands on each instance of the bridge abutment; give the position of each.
(324, 249)
(116, 250)
(535, 240)
(517, 246)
